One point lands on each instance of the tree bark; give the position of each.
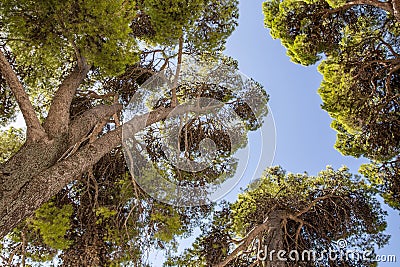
(54, 154)
(36, 173)
(275, 240)
(57, 120)
(39, 170)
(83, 124)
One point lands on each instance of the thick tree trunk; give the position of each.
(50, 158)
(34, 175)
(38, 171)
(275, 240)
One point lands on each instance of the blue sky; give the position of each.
(304, 139)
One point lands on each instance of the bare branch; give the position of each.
(21, 201)
(14, 251)
(83, 124)
(24, 245)
(313, 203)
(389, 77)
(174, 101)
(35, 130)
(396, 9)
(57, 120)
(245, 243)
(270, 223)
(382, 5)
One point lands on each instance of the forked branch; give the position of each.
(58, 118)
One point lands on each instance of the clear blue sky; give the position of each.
(304, 138)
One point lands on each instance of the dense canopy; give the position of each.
(286, 211)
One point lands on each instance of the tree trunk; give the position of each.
(19, 172)
(275, 240)
(37, 172)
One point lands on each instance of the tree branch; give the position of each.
(270, 223)
(57, 120)
(174, 101)
(23, 200)
(35, 130)
(396, 9)
(40, 188)
(382, 5)
(83, 124)
(245, 243)
(313, 203)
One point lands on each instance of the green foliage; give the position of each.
(116, 231)
(169, 18)
(104, 213)
(105, 219)
(336, 3)
(335, 91)
(53, 32)
(212, 244)
(168, 224)
(361, 78)
(53, 223)
(296, 37)
(292, 191)
(218, 19)
(204, 25)
(45, 37)
(10, 142)
(385, 177)
(358, 45)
